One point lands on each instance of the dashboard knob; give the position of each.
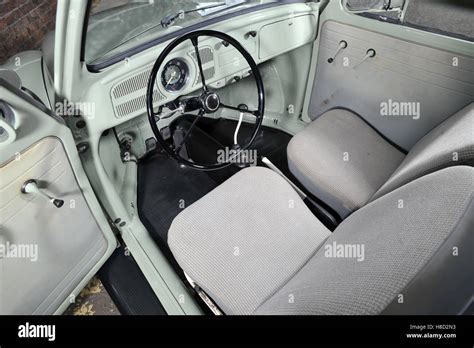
(251, 33)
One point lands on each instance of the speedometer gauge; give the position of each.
(174, 75)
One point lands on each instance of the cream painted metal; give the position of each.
(291, 33)
(29, 67)
(63, 244)
(72, 242)
(334, 11)
(422, 77)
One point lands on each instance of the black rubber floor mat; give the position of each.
(165, 188)
(270, 143)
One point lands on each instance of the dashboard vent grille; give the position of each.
(131, 85)
(135, 105)
(206, 55)
(129, 96)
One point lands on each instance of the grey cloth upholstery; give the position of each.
(374, 167)
(446, 16)
(245, 239)
(449, 144)
(444, 274)
(399, 244)
(316, 157)
(283, 268)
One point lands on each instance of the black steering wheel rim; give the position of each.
(194, 36)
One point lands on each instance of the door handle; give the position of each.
(31, 187)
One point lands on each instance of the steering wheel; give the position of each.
(207, 102)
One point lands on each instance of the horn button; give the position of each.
(210, 102)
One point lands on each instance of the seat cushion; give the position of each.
(449, 144)
(341, 160)
(245, 239)
(418, 242)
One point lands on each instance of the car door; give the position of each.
(49, 247)
(374, 63)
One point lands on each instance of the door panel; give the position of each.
(65, 252)
(402, 71)
(53, 251)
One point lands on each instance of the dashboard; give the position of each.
(222, 63)
(265, 34)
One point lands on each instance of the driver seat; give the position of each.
(255, 248)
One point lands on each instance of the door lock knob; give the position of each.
(31, 187)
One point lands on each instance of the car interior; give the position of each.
(265, 158)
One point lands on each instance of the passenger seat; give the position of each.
(341, 160)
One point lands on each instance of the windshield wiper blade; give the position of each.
(169, 20)
(175, 16)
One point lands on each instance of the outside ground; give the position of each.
(93, 300)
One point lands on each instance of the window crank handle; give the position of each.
(370, 54)
(31, 187)
(342, 46)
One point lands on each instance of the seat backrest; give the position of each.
(416, 255)
(449, 144)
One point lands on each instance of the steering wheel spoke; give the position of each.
(178, 148)
(194, 40)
